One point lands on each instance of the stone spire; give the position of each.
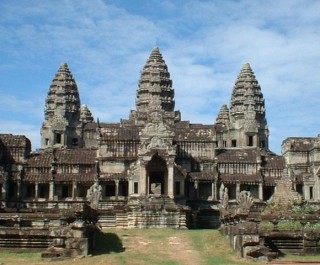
(247, 111)
(155, 85)
(223, 116)
(62, 110)
(63, 97)
(85, 114)
(246, 88)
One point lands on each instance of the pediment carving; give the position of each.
(156, 128)
(251, 126)
(58, 124)
(156, 143)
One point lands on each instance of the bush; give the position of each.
(266, 225)
(289, 225)
(309, 209)
(308, 227)
(316, 226)
(302, 210)
(312, 227)
(297, 210)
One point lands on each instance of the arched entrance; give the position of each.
(157, 173)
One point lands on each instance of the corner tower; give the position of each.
(248, 123)
(155, 85)
(62, 112)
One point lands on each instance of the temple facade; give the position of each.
(302, 156)
(153, 152)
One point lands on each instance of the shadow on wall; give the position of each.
(107, 243)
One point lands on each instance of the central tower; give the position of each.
(155, 88)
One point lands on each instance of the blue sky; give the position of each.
(204, 43)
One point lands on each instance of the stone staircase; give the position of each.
(111, 204)
(107, 219)
(285, 245)
(147, 212)
(29, 239)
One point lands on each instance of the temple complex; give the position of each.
(154, 159)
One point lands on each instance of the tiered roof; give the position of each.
(85, 114)
(184, 131)
(43, 166)
(223, 117)
(155, 85)
(115, 132)
(238, 155)
(246, 86)
(63, 97)
(254, 156)
(14, 148)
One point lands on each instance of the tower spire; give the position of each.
(155, 88)
(223, 116)
(62, 110)
(247, 110)
(63, 97)
(246, 81)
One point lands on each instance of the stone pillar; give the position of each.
(117, 188)
(147, 184)
(5, 186)
(4, 191)
(196, 187)
(260, 191)
(36, 191)
(212, 191)
(237, 189)
(19, 183)
(74, 190)
(170, 178)
(130, 186)
(143, 178)
(294, 184)
(51, 190)
(306, 192)
(215, 190)
(19, 189)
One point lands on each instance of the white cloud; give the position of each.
(205, 43)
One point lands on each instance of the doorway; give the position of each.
(157, 175)
(156, 183)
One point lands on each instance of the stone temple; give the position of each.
(154, 159)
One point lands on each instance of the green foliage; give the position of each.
(266, 225)
(316, 226)
(289, 225)
(312, 227)
(308, 209)
(308, 227)
(302, 210)
(28, 255)
(298, 210)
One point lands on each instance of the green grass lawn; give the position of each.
(151, 246)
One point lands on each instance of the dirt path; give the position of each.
(176, 247)
(181, 249)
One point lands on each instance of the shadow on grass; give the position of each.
(107, 243)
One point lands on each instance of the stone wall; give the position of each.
(58, 233)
